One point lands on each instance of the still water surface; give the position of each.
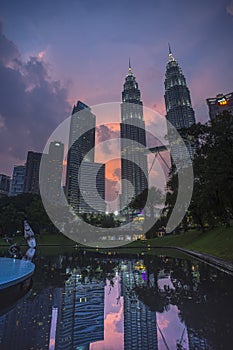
(96, 301)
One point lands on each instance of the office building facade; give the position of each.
(31, 181)
(92, 188)
(17, 181)
(219, 104)
(53, 172)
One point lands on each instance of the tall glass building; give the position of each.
(92, 188)
(81, 147)
(31, 180)
(179, 111)
(134, 169)
(17, 181)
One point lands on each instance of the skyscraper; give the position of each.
(17, 180)
(81, 147)
(134, 167)
(54, 170)
(219, 104)
(31, 181)
(92, 188)
(178, 105)
(4, 185)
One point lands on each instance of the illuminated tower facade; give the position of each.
(134, 169)
(179, 111)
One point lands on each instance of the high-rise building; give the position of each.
(31, 180)
(134, 168)
(4, 185)
(219, 104)
(81, 147)
(179, 111)
(92, 188)
(53, 171)
(17, 181)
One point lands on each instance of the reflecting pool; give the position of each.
(109, 301)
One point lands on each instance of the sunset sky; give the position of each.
(53, 53)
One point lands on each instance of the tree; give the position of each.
(147, 201)
(212, 200)
(14, 210)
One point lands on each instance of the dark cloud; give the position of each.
(31, 104)
(105, 133)
(9, 53)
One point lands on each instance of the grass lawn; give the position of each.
(217, 242)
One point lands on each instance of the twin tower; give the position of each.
(85, 179)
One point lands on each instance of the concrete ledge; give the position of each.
(211, 260)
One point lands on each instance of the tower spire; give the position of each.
(129, 69)
(171, 58)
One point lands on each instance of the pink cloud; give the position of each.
(113, 323)
(171, 328)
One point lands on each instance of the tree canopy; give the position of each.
(212, 200)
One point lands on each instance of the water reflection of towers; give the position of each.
(139, 322)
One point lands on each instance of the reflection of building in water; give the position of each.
(195, 342)
(2, 322)
(81, 314)
(140, 330)
(27, 326)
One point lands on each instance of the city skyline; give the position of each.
(89, 67)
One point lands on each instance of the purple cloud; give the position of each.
(31, 103)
